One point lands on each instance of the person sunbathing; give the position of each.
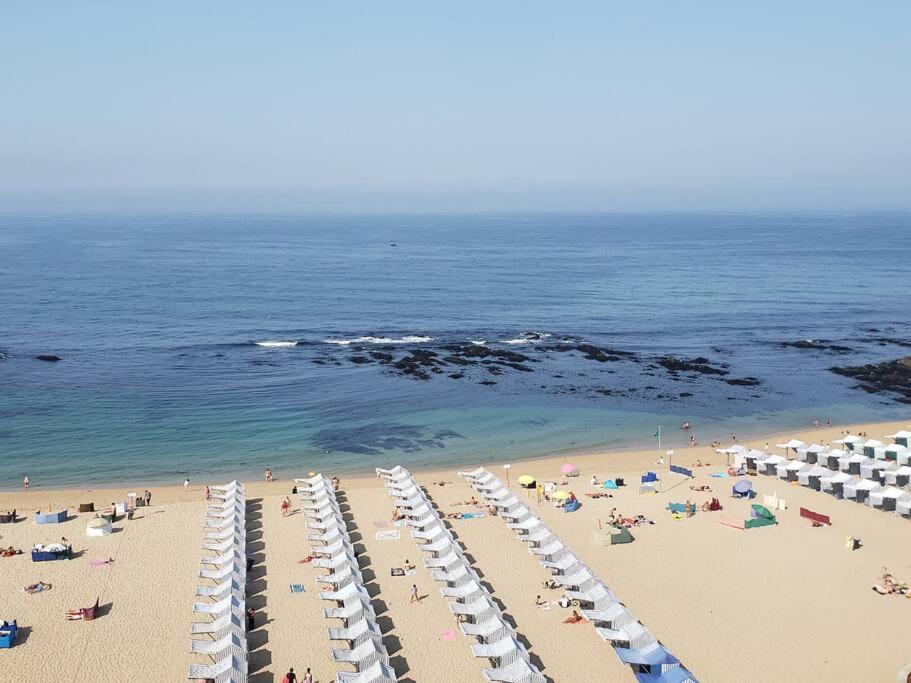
(454, 515)
(37, 587)
(10, 552)
(550, 583)
(575, 618)
(307, 559)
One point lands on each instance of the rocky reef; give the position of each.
(891, 377)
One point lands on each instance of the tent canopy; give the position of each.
(793, 443)
(849, 438)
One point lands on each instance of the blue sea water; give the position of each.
(160, 323)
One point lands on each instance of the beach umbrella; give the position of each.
(560, 495)
(569, 469)
(526, 481)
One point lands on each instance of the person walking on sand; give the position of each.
(208, 493)
(148, 497)
(268, 475)
(290, 677)
(308, 677)
(286, 506)
(25, 482)
(414, 594)
(186, 484)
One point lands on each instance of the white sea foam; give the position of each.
(526, 338)
(407, 339)
(478, 342)
(276, 343)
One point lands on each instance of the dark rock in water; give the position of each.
(684, 394)
(456, 360)
(48, 357)
(592, 352)
(422, 354)
(744, 382)
(817, 345)
(514, 366)
(436, 370)
(495, 370)
(360, 360)
(700, 365)
(487, 383)
(895, 342)
(892, 376)
(382, 357)
(408, 366)
(456, 375)
(604, 392)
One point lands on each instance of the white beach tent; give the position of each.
(737, 451)
(898, 477)
(793, 469)
(811, 476)
(876, 469)
(768, 464)
(831, 457)
(835, 483)
(903, 507)
(901, 437)
(852, 463)
(859, 489)
(793, 444)
(897, 453)
(869, 445)
(888, 498)
(849, 441)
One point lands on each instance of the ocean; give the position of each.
(213, 346)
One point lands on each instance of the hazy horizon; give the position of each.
(409, 108)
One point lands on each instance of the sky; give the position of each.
(464, 106)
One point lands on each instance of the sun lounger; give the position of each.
(232, 644)
(466, 592)
(488, 631)
(364, 655)
(501, 653)
(227, 670)
(357, 633)
(376, 673)
(520, 671)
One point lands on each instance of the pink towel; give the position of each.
(447, 634)
(98, 563)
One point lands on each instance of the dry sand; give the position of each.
(787, 602)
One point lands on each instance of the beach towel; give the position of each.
(719, 475)
(397, 571)
(297, 588)
(99, 563)
(390, 535)
(447, 634)
(473, 515)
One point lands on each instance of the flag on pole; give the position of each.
(658, 433)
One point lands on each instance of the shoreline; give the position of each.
(623, 460)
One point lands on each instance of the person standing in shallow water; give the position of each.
(25, 483)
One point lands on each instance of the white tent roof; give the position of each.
(835, 453)
(856, 457)
(902, 471)
(896, 448)
(772, 460)
(793, 443)
(817, 471)
(736, 448)
(872, 443)
(838, 478)
(866, 485)
(797, 465)
(850, 438)
(900, 434)
(754, 453)
(891, 492)
(816, 448)
(882, 465)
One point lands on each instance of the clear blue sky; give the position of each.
(462, 106)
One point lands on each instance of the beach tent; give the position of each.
(735, 450)
(793, 469)
(869, 445)
(810, 477)
(896, 453)
(900, 437)
(793, 444)
(743, 489)
(813, 451)
(830, 457)
(520, 671)
(852, 463)
(835, 483)
(903, 507)
(859, 489)
(898, 477)
(888, 498)
(849, 441)
(760, 516)
(768, 464)
(873, 469)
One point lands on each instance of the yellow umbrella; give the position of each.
(560, 495)
(526, 480)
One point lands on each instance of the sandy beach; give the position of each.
(787, 602)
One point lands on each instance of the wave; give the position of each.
(407, 339)
(526, 338)
(478, 342)
(276, 344)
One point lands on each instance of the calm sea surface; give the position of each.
(160, 323)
